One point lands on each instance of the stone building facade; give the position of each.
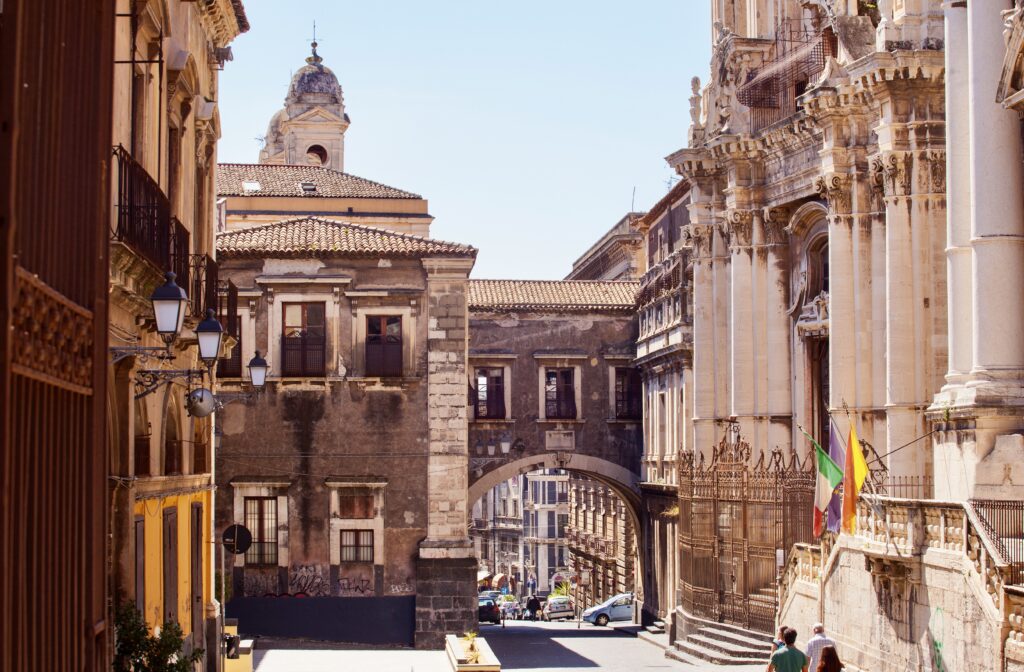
(602, 539)
(561, 354)
(165, 130)
(665, 360)
(496, 528)
(351, 467)
(844, 186)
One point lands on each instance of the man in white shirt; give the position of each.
(815, 644)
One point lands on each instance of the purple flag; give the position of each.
(838, 455)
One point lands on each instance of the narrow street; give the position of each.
(520, 646)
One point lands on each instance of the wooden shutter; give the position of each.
(140, 564)
(196, 575)
(170, 561)
(496, 393)
(566, 394)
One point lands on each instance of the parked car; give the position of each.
(487, 611)
(558, 608)
(618, 608)
(510, 608)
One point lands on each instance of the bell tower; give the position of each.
(310, 129)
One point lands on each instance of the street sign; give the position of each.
(237, 539)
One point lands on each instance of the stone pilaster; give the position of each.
(738, 229)
(777, 345)
(446, 569)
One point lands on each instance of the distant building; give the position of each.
(602, 541)
(545, 516)
(617, 255)
(350, 468)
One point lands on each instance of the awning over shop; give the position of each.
(482, 576)
(498, 580)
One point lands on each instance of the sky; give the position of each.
(531, 127)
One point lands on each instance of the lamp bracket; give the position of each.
(148, 381)
(141, 352)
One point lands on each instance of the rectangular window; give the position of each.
(559, 394)
(551, 525)
(304, 339)
(628, 391)
(357, 545)
(261, 519)
(551, 558)
(490, 393)
(563, 522)
(383, 346)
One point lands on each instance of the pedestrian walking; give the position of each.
(816, 643)
(788, 658)
(829, 661)
(777, 642)
(532, 607)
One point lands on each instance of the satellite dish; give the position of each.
(200, 403)
(237, 539)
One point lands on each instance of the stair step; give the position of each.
(743, 641)
(683, 657)
(765, 637)
(658, 640)
(660, 624)
(655, 629)
(729, 648)
(696, 651)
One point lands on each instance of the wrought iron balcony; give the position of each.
(143, 212)
(202, 284)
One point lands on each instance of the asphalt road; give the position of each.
(549, 647)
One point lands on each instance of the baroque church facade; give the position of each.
(842, 251)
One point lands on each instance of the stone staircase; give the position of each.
(722, 644)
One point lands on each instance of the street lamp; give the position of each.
(169, 301)
(209, 333)
(258, 371)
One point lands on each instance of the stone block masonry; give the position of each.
(446, 569)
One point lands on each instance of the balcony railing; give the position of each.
(143, 212)
(202, 284)
(230, 367)
(303, 356)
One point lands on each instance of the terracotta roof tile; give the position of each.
(287, 180)
(315, 237)
(552, 295)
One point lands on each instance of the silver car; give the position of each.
(557, 608)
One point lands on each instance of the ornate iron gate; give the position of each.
(735, 519)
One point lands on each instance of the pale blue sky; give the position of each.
(526, 124)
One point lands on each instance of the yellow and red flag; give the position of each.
(853, 480)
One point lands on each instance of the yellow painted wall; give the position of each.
(153, 511)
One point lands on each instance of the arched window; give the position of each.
(817, 267)
(317, 155)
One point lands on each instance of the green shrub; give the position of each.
(137, 650)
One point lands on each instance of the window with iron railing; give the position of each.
(627, 393)
(202, 295)
(261, 519)
(383, 346)
(559, 394)
(230, 367)
(303, 344)
(357, 545)
(489, 391)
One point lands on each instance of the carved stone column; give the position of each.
(958, 196)
(997, 215)
(703, 329)
(778, 329)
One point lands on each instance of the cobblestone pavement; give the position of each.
(521, 647)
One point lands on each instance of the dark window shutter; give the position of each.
(496, 394)
(567, 394)
(140, 565)
(170, 559)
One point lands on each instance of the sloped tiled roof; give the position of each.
(308, 237)
(552, 295)
(286, 180)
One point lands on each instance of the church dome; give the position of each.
(314, 83)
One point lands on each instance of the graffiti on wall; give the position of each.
(308, 580)
(355, 586)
